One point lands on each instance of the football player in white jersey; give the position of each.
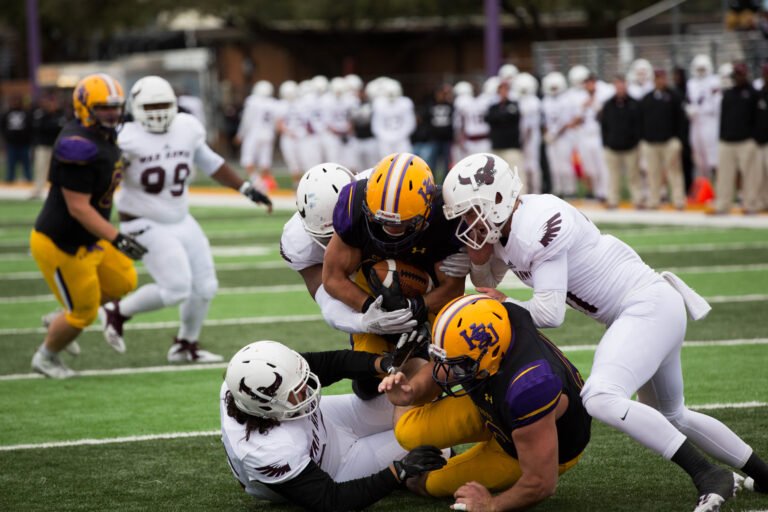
(526, 86)
(393, 119)
(302, 246)
(703, 110)
(556, 250)
(256, 133)
(284, 444)
(558, 117)
(161, 148)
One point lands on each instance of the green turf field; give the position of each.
(260, 298)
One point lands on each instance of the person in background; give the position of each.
(679, 84)
(16, 125)
(661, 114)
(47, 121)
(738, 150)
(440, 116)
(503, 117)
(620, 125)
(761, 136)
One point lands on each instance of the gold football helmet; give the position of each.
(398, 201)
(98, 91)
(470, 336)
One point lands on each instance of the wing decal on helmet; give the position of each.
(264, 390)
(552, 229)
(482, 176)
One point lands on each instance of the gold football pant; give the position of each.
(80, 281)
(453, 421)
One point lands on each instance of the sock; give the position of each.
(47, 353)
(691, 460)
(758, 470)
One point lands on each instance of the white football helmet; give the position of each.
(508, 72)
(263, 89)
(320, 84)
(554, 83)
(339, 86)
(725, 71)
(463, 88)
(157, 93)
(269, 380)
(491, 86)
(482, 189)
(577, 75)
(526, 84)
(392, 89)
(289, 90)
(641, 71)
(354, 82)
(701, 66)
(316, 197)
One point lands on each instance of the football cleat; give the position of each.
(112, 324)
(51, 366)
(73, 348)
(718, 486)
(183, 351)
(750, 485)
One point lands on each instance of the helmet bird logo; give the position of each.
(270, 390)
(482, 176)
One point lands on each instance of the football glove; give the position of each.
(128, 245)
(249, 191)
(420, 460)
(456, 265)
(412, 343)
(376, 320)
(393, 297)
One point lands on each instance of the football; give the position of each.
(413, 280)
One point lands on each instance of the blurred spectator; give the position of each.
(680, 85)
(192, 105)
(440, 115)
(17, 132)
(761, 135)
(504, 120)
(420, 138)
(367, 149)
(742, 14)
(620, 127)
(661, 114)
(47, 121)
(738, 150)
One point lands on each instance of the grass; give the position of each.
(615, 473)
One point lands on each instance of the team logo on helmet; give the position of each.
(482, 176)
(480, 336)
(270, 390)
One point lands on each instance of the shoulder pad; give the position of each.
(533, 392)
(76, 149)
(345, 205)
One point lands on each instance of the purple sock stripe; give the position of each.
(400, 184)
(386, 181)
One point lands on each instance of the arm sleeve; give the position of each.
(337, 314)
(488, 275)
(332, 366)
(206, 159)
(550, 285)
(313, 489)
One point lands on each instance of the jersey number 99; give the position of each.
(153, 179)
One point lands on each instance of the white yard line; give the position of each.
(211, 433)
(687, 344)
(704, 247)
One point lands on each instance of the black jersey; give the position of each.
(84, 160)
(534, 374)
(434, 244)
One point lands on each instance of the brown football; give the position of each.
(413, 280)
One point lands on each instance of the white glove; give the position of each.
(378, 321)
(456, 265)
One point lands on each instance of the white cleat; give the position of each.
(112, 326)
(183, 351)
(73, 348)
(711, 502)
(51, 366)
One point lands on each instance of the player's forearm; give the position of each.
(338, 286)
(547, 308)
(93, 222)
(337, 314)
(527, 492)
(227, 177)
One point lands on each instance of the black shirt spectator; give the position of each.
(17, 125)
(661, 115)
(504, 119)
(440, 115)
(761, 116)
(620, 123)
(737, 113)
(47, 122)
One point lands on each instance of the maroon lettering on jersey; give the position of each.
(551, 230)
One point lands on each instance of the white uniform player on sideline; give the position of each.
(161, 149)
(474, 132)
(556, 250)
(703, 110)
(558, 114)
(302, 246)
(526, 86)
(639, 79)
(393, 119)
(294, 128)
(283, 444)
(256, 134)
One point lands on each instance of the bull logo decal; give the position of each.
(482, 176)
(480, 336)
(263, 391)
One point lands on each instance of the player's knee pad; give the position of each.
(407, 429)
(175, 294)
(604, 400)
(81, 318)
(207, 288)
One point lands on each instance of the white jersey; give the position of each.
(638, 90)
(259, 117)
(393, 119)
(471, 113)
(602, 270)
(297, 248)
(159, 167)
(294, 119)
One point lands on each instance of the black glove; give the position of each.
(249, 191)
(128, 245)
(393, 297)
(420, 460)
(412, 344)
